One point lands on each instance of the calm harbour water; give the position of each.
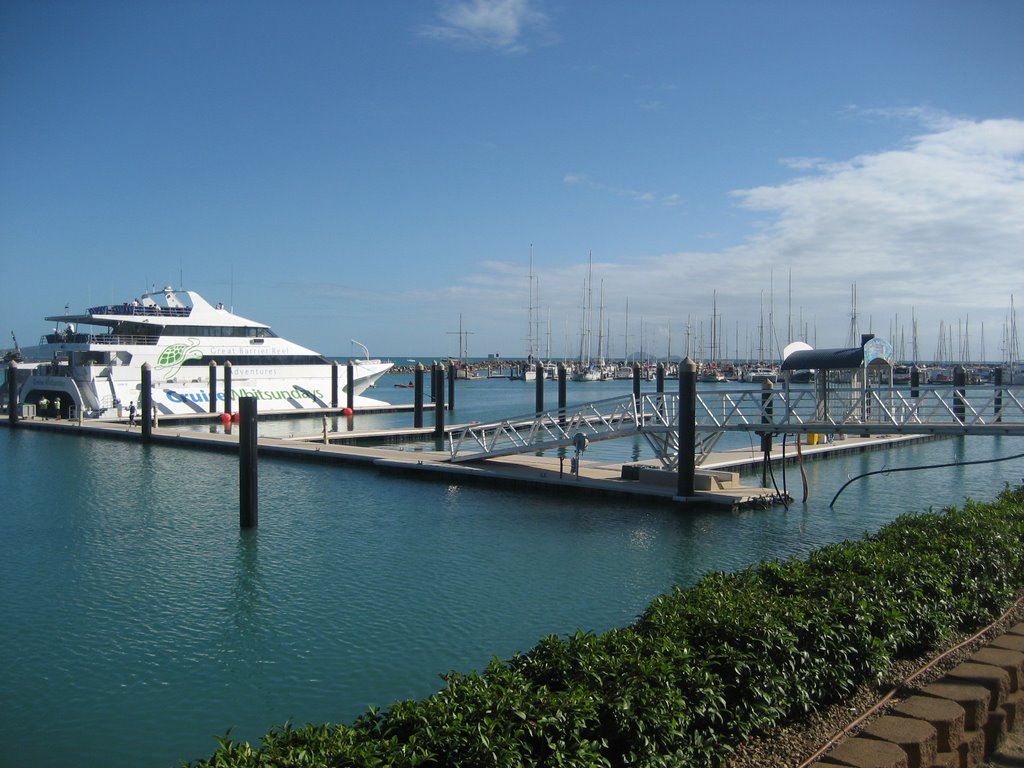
(137, 623)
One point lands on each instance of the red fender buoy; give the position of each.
(348, 412)
(225, 419)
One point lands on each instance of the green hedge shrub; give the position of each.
(703, 668)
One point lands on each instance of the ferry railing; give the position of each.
(125, 339)
(140, 309)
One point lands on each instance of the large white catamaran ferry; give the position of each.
(98, 373)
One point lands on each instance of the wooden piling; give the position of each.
(451, 386)
(334, 384)
(997, 401)
(438, 386)
(562, 377)
(636, 381)
(350, 388)
(766, 437)
(213, 386)
(227, 387)
(12, 393)
(686, 463)
(146, 403)
(659, 378)
(959, 382)
(248, 491)
(417, 408)
(539, 383)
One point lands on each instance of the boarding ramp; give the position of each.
(653, 416)
(935, 410)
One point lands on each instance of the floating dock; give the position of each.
(717, 481)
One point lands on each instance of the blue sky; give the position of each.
(375, 170)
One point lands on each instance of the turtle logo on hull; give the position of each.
(173, 356)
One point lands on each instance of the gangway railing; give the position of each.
(947, 409)
(652, 416)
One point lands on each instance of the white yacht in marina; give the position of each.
(97, 371)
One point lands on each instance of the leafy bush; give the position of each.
(704, 668)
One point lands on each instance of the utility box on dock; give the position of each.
(27, 410)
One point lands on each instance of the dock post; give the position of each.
(659, 378)
(451, 386)
(334, 384)
(997, 400)
(438, 374)
(146, 403)
(12, 393)
(636, 381)
(213, 386)
(686, 463)
(766, 437)
(959, 382)
(350, 388)
(915, 383)
(227, 387)
(540, 387)
(437, 384)
(417, 408)
(248, 491)
(562, 376)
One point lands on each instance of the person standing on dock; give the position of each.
(131, 414)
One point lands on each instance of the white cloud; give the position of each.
(498, 24)
(934, 227)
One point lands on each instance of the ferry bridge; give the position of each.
(922, 410)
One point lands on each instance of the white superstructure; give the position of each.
(97, 371)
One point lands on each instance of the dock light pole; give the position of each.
(417, 408)
(12, 393)
(334, 384)
(146, 403)
(248, 491)
(213, 386)
(686, 463)
(539, 369)
(227, 386)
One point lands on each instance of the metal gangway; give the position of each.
(654, 416)
(924, 410)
